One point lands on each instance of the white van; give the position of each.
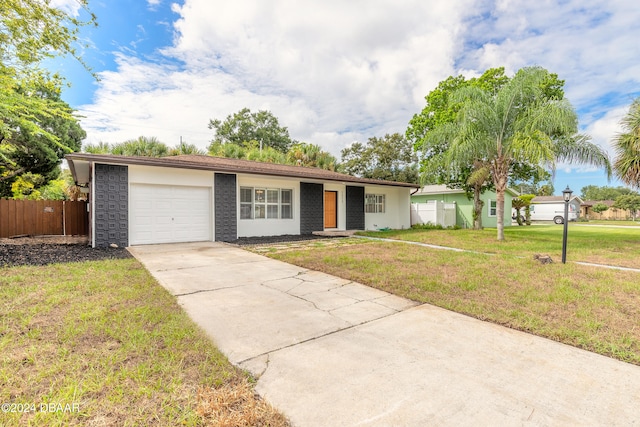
(552, 212)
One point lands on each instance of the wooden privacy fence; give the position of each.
(43, 217)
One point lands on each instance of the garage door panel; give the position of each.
(170, 214)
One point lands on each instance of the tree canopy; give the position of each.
(27, 150)
(36, 127)
(594, 192)
(627, 147)
(142, 146)
(390, 158)
(630, 202)
(31, 31)
(300, 154)
(243, 127)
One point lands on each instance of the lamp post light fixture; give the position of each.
(566, 195)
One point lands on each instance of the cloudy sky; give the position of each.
(335, 72)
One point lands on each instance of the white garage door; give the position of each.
(169, 214)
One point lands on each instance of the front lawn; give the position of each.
(101, 343)
(593, 308)
(600, 245)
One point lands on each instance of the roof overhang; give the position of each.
(81, 171)
(80, 165)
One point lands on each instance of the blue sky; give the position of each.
(336, 72)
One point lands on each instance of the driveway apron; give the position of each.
(327, 351)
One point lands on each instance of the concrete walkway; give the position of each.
(329, 352)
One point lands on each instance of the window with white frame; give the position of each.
(374, 203)
(493, 207)
(265, 203)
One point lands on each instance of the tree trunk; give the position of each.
(477, 209)
(500, 177)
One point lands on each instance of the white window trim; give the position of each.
(379, 205)
(489, 209)
(266, 203)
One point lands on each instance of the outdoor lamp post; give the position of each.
(566, 194)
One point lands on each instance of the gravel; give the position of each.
(48, 253)
(51, 249)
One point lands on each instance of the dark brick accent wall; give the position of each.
(111, 199)
(226, 211)
(355, 208)
(311, 207)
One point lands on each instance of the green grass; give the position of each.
(593, 308)
(104, 338)
(612, 222)
(600, 245)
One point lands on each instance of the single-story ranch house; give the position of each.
(145, 200)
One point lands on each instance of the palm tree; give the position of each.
(518, 124)
(99, 148)
(310, 155)
(517, 204)
(184, 148)
(627, 147)
(143, 146)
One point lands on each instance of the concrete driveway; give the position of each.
(327, 351)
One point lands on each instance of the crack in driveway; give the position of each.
(267, 353)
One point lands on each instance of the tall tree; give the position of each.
(31, 112)
(390, 158)
(519, 123)
(441, 111)
(31, 31)
(244, 126)
(627, 147)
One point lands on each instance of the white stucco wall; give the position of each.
(169, 176)
(269, 227)
(397, 213)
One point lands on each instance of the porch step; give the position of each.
(335, 233)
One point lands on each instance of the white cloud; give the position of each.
(331, 72)
(72, 7)
(336, 71)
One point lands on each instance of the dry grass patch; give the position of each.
(235, 405)
(588, 307)
(106, 339)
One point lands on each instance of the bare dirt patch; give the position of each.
(33, 240)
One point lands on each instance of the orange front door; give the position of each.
(330, 209)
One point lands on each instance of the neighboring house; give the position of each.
(551, 208)
(145, 200)
(464, 206)
(611, 213)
